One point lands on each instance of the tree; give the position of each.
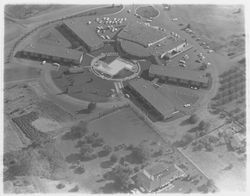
(86, 151)
(106, 151)
(90, 138)
(98, 142)
(192, 119)
(91, 106)
(113, 158)
(76, 132)
(140, 154)
(121, 175)
(203, 125)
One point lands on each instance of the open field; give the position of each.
(217, 25)
(220, 164)
(12, 141)
(20, 73)
(26, 11)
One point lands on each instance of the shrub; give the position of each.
(75, 189)
(60, 186)
(113, 158)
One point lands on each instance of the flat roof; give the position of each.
(141, 33)
(154, 97)
(191, 61)
(115, 66)
(160, 169)
(167, 44)
(56, 51)
(162, 175)
(178, 72)
(84, 32)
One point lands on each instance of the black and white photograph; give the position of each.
(124, 97)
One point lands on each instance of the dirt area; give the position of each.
(19, 99)
(46, 125)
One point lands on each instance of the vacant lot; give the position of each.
(219, 163)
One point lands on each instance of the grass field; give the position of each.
(20, 73)
(86, 86)
(123, 126)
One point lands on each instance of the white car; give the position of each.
(194, 87)
(187, 105)
(43, 62)
(127, 95)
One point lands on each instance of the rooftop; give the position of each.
(178, 72)
(52, 50)
(114, 67)
(162, 174)
(83, 31)
(159, 170)
(155, 98)
(166, 44)
(141, 33)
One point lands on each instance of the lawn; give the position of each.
(123, 127)
(85, 86)
(20, 73)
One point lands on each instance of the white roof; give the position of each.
(114, 67)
